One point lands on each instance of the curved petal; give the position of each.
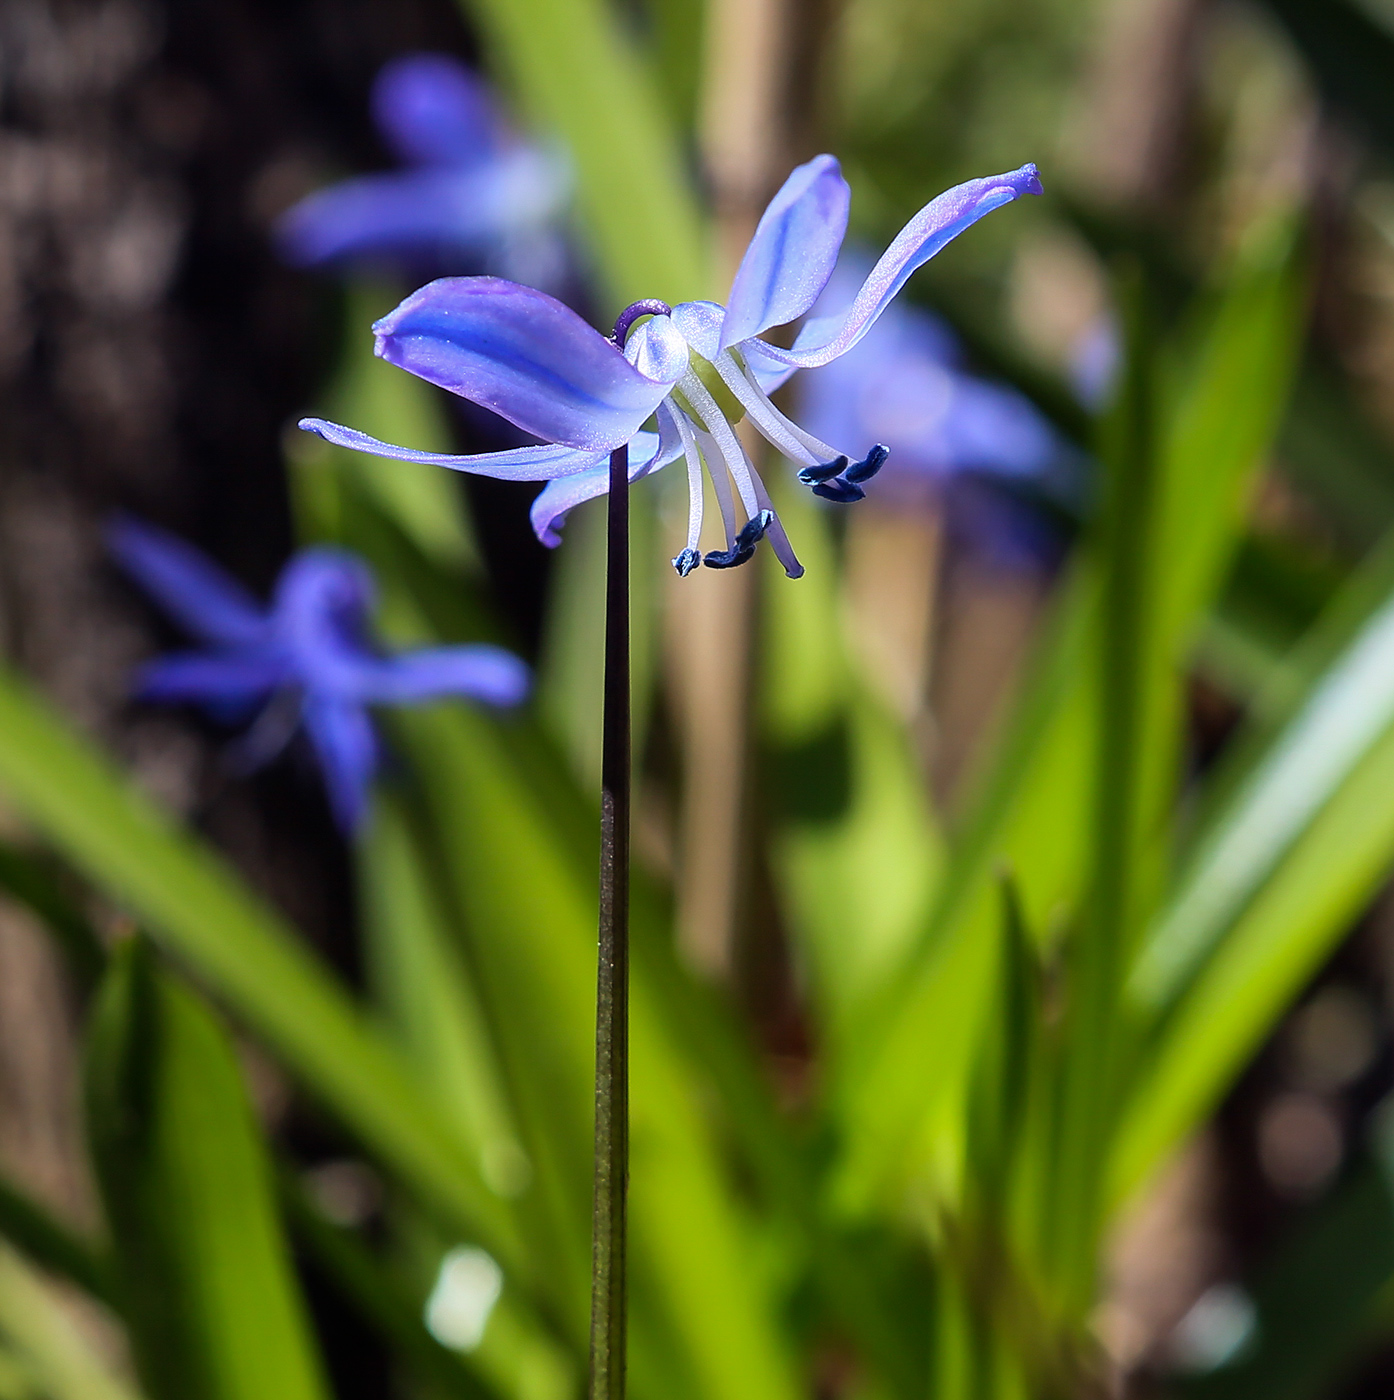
(542, 463)
(700, 323)
(189, 586)
(485, 673)
(228, 680)
(440, 209)
(524, 355)
(323, 599)
(344, 743)
(647, 453)
(792, 253)
(938, 223)
(431, 110)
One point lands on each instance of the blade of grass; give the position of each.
(204, 1272)
(50, 1243)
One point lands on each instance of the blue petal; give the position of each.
(226, 680)
(323, 599)
(700, 324)
(431, 110)
(940, 221)
(542, 463)
(203, 599)
(792, 254)
(419, 212)
(485, 673)
(344, 743)
(524, 355)
(647, 453)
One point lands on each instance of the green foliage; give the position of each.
(203, 1269)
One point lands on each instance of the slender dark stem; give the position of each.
(608, 1217)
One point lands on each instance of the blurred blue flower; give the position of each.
(905, 385)
(472, 193)
(307, 660)
(699, 368)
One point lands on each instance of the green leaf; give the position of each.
(196, 908)
(581, 77)
(47, 1241)
(1219, 414)
(1302, 842)
(380, 1299)
(43, 1340)
(26, 878)
(204, 1272)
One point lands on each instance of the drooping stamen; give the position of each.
(839, 490)
(868, 466)
(690, 557)
(728, 444)
(727, 558)
(721, 483)
(823, 471)
(783, 433)
(779, 540)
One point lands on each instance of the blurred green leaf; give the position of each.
(1220, 408)
(26, 878)
(193, 904)
(580, 76)
(47, 1241)
(205, 1277)
(44, 1341)
(380, 1299)
(1304, 836)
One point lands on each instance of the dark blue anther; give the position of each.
(868, 466)
(839, 490)
(651, 306)
(823, 471)
(727, 558)
(753, 531)
(686, 562)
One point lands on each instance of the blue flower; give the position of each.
(905, 385)
(698, 369)
(471, 192)
(305, 661)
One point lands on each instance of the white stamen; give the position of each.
(728, 445)
(775, 533)
(783, 433)
(694, 475)
(721, 483)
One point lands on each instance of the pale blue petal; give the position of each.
(658, 350)
(431, 110)
(940, 221)
(190, 587)
(541, 463)
(524, 355)
(700, 323)
(344, 743)
(439, 210)
(485, 673)
(647, 453)
(792, 254)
